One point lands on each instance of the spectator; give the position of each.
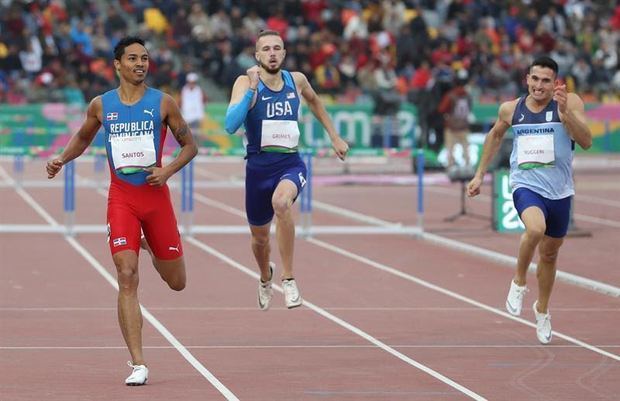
(192, 103)
(475, 32)
(456, 106)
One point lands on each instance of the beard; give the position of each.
(271, 70)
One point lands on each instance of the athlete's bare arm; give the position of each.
(318, 109)
(171, 115)
(573, 116)
(492, 142)
(80, 141)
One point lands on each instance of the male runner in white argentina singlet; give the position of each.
(267, 101)
(546, 124)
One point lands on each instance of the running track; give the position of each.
(387, 317)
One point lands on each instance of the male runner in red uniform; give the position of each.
(136, 118)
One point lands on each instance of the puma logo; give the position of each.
(174, 248)
(522, 117)
(149, 111)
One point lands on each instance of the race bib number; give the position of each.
(133, 152)
(280, 134)
(535, 151)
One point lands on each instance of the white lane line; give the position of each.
(577, 216)
(452, 294)
(211, 175)
(219, 205)
(497, 257)
(598, 286)
(597, 220)
(353, 215)
(253, 308)
(597, 200)
(29, 200)
(501, 258)
(342, 323)
(308, 346)
(151, 318)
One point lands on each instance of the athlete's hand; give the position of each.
(53, 167)
(340, 147)
(158, 176)
(254, 75)
(560, 95)
(473, 188)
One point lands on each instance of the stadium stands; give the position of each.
(60, 50)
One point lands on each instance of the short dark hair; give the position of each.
(268, 32)
(545, 61)
(119, 49)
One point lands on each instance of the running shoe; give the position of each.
(265, 292)
(514, 301)
(543, 325)
(138, 376)
(292, 298)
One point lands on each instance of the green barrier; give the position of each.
(505, 216)
(42, 129)
(354, 123)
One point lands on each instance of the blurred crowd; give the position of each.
(352, 51)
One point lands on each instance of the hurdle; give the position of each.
(69, 198)
(306, 196)
(187, 198)
(187, 225)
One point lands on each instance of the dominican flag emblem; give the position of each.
(119, 241)
(111, 116)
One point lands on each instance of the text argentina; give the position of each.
(533, 131)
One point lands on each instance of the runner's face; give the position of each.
(134, 64)
(540, 83)
(270, 53)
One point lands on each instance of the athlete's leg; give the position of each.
(534, 220)
(557, 227)
(171, 271)
(261, 249)
(548, 250)
(462, 139)
(129, 314)
(163, 241)
(124, 243)
(282, 201)
(450, 140)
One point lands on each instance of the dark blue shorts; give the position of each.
(261, 182)
(557, 212)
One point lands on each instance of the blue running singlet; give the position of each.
(134, 135)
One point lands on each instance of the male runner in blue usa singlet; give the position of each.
(136, 118)
(267, 101)
(546, 123)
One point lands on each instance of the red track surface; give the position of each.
(59, 338)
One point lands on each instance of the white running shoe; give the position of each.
(543, 325)
(138, 376)
(265, 292)
(514, 301)
(292, 298)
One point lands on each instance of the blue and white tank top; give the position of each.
(134, 135)
(271, 125)
(542, 152)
